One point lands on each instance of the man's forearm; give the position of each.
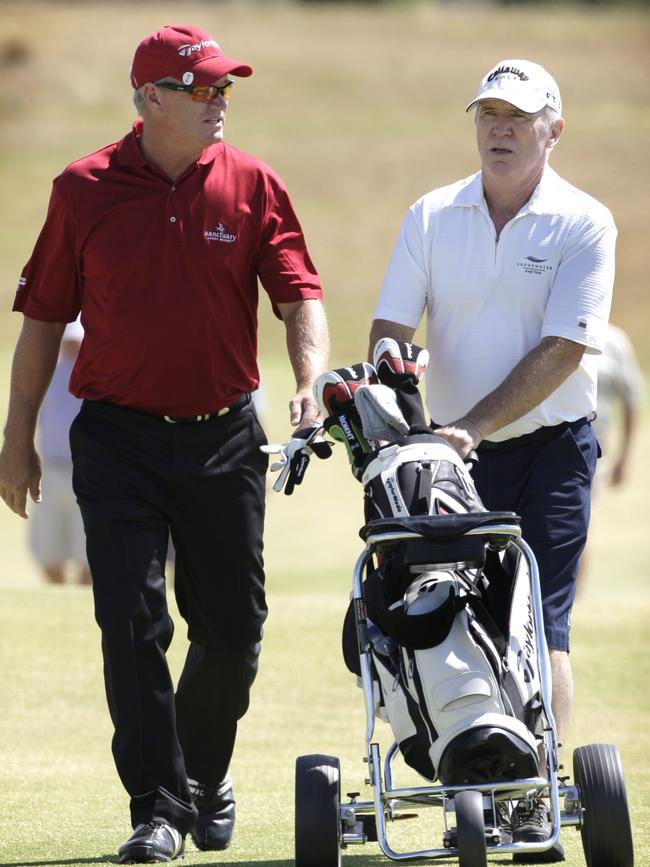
(34, 362)
(33, 365)
(307, 342)
(620, 465)
(532, 380)
(385, 328)
(308, 349)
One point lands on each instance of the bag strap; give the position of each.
(425, 485)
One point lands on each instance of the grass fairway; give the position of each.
(360, 109)
(62, 804)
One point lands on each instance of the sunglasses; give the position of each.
(200, 94)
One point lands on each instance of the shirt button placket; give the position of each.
(171, 207)
(173, 218)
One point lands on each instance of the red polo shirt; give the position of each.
(165, 274)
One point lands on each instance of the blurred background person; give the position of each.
(618, 405)
(620, 394)
(56, 535)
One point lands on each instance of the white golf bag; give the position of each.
(450, 625)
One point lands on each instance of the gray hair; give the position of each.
(138, 95)
(550, 116)
(138, 100)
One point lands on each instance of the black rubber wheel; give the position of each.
(470, 826)
(606, 830)
(318, 801)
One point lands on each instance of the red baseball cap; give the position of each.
(187, 54)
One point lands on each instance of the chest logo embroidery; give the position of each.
(533, 265)
(219, 233)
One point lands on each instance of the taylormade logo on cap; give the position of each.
(186, 50)
(524, 84)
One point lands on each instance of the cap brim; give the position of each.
(213, 68)
(523, 101)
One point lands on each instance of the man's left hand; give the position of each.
(463, 435)
(303, 410)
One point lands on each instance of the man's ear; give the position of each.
(150, 95)
(555, 132)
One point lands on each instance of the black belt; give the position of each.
(238, 404)
(534, 438)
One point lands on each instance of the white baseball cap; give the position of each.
(526, 85)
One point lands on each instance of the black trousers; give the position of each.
(136, 477)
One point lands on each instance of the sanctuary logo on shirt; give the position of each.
(219, 233)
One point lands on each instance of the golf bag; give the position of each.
(450, 626)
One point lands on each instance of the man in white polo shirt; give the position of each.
(515, 269)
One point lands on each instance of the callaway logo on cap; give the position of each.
(186, 54)
(526, 85)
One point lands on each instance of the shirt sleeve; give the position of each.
(50, 284)
(403, 293)
(284, 265)
(581, 296)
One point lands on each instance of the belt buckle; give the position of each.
(198, 418)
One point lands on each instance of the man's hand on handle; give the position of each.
(463, 435)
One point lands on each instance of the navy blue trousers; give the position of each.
(136, 477)
(546, 478)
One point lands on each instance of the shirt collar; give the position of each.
(542, 201)
(130, 153)
(211, 153)
(470, 194)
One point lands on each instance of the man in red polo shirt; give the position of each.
(159, 241)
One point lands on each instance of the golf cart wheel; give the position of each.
(606, 831)
(318, 801)
(470, 826)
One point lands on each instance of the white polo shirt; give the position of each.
(490, 301)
